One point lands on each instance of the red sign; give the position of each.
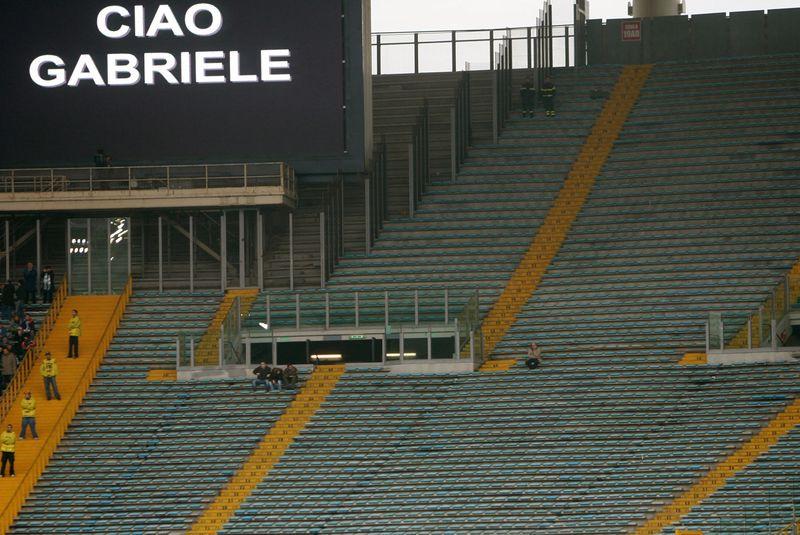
(631, 30)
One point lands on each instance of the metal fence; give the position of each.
(452, 50)
(159, 177)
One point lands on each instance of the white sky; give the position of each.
(402, 15)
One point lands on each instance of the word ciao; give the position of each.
(198, 67)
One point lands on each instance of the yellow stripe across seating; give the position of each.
(568, 203)
(162, 375)
(207, 352)
(100, 316)
(498, 365)
(715, 479)
(269, 450)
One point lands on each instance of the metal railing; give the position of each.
(331, 231)
(419, 164)
(230, 336)
(461, 125)
(376, 196)
(502, 86)
(39, 462)
(469, 332)
(33, 354)
(769, 326)
(451, 50)
(347, 308)
(138, 178)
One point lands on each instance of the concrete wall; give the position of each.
(678, 38)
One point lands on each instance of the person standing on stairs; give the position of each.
(548, 93)
(8, 441)
(9, 364)
(48, 283)
(30, 279)
(74, 334)
(28, 416)
(49, 371)
(528, 97)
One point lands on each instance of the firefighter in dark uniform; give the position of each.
(548, 93)
(528, 96)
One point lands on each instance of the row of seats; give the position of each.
(147, 456)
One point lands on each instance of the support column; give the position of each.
(191, 253)
(322, 244)
(8, 249)
(291, 251)
(367, 218)
(108, 256)
(411, 180)
(90, 246)
(242, 274)
(39, 247)
(69, 253)
(160, 256)
(260, 247)
(223, 252)
(129, 222)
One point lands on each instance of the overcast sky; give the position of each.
(401, 15)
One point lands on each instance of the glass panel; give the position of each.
(98, 255)
(118, 241)
(79, 255)
(714, 331)
(233, 352)
(392, 345)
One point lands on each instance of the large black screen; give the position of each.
(114, 75)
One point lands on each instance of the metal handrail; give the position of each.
(32, 355)
(538, 40)
(39, 463)
(143, 177)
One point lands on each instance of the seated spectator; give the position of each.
(262, 377)
(534, 359)
(276, 379)
(28, 324)
(290, 376)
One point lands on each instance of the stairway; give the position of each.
(99, 318)
(269, 451)
(715, 479)
(565, 209)
(207, 353)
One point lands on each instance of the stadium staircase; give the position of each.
(207, 353)
(587, 450)
(716, 478)
(100, 316)
(466, 235)
(693, 211)
(277, 440)
(129, 461)
(570, 199)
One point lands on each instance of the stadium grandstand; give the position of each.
(269, 272)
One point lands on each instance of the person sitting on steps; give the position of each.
(534, 359)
